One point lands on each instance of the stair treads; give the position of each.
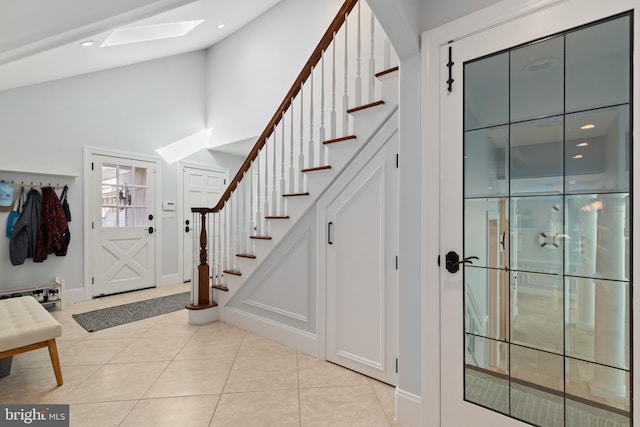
(344, 138)
(317, 168)
(295, 194)
(260, 237)
(364, 107)
(220, 288)
(233, 272)
(246, 256)
(276, 217)
(390, 70)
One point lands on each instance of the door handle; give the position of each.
(186, 229)
(453, 261)
(150, 230)
(329, 226)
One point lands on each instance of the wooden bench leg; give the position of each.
(55, 361)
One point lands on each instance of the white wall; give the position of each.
(134, 109)
(441, 12)
(250, 72)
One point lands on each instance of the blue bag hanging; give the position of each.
(15, 213)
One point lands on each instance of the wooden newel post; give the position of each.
(203, 267)
(202, 286)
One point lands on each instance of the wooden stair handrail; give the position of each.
(313, 60)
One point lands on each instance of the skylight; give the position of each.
(150, 32)
(185, 147)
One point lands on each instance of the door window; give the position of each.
(124, 196)
(547, 208)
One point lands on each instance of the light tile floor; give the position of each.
(162, 371)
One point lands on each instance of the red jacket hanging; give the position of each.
(53, 235)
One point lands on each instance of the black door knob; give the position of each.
(186, 229)
(150, 230)
(150, 217)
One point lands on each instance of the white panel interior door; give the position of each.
(514, 355)
(202, 188)
(124, 231)
(361, 270)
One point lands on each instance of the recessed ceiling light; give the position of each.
(582, 144)
(542, 63)
(87, 43)
(221, 26)
(577, 156)
(589, 126)
(150, 32)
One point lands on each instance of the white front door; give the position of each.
(123, 224)
(362, 288)
(201, 189)
(536, 200)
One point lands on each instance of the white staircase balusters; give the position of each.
(292, 171)
(265, 178)
(251, 224)
(217, 248)
(236, 223)
(333, 89)
(282, 180)
(242, 211)
(225, 241)
(233, 203)
(345, 97)
(372, 62)
(274, 193)
(212, 250)
(258, 222)
(322, 137)
(301, 154)
(311, 149)
(358, 62)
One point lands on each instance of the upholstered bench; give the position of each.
(26, 325)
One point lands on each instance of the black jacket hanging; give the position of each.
(65, 203)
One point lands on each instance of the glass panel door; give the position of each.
(547, 208)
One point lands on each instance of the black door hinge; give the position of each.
(91, 165)
(396, 365)
(450, 66)
(396, 262)
(93, 281)
(397, 160)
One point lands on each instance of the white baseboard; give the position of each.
(73, 296)
(169, 279)
(408, 408)
(291, 337)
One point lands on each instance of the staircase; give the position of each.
(311, 139)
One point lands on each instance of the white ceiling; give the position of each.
(40, 40)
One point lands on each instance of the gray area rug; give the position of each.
(119, 315)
